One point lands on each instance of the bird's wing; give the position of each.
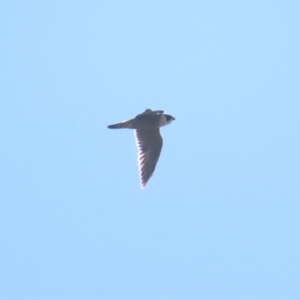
(149, 143)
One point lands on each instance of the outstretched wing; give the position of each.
(149, 143)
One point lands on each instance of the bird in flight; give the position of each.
(148, 139)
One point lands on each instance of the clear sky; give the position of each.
(220, 217)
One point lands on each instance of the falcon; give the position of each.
(148, 139)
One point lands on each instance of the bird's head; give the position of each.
(167, 119)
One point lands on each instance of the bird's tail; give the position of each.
(125, 124)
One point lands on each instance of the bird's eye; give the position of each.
(168, 118)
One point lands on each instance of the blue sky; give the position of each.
(220, 217)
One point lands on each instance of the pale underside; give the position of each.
(149, 143)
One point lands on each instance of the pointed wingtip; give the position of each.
(143, 185)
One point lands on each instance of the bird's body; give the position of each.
(148, 139)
